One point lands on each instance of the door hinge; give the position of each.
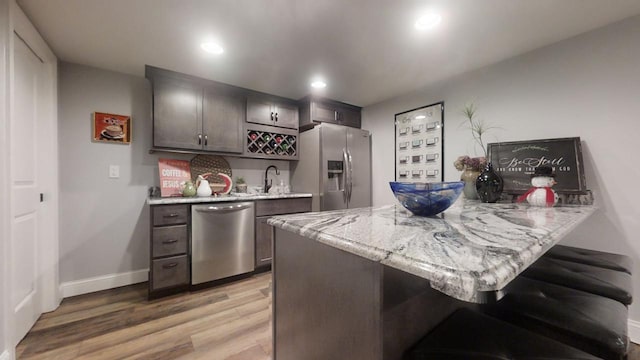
(41, 197)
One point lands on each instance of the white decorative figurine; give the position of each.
(541, 193)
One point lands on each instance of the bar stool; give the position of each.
(591, 257)
(613, 284)
(468, 335)
(592, 323)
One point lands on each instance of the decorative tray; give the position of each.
(214, 164)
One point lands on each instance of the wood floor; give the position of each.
(228, 322)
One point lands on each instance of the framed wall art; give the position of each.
(516, 161)
(111, 128)
(419, 145)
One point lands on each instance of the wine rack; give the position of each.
(266, 143)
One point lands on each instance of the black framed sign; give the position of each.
(516, 161)
(419, 145)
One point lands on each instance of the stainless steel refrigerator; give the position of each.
(335, 166)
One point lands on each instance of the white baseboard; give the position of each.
(5, 355)
(634, 331)
(105, 282)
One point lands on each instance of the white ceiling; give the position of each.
(368, 50)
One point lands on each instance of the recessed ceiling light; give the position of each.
(420, 117)
(212, 48)
(318, 84)
(428, 21)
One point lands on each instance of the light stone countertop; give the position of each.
(470, 251)
(223, 198)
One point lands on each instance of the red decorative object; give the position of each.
(173, 174)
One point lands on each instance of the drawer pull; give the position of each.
(172, 241)
(170, 265)
(172, 215)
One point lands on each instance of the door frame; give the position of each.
(48, 257)
(4, 176)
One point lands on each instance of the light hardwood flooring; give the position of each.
(231, 322)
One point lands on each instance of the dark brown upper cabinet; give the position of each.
(223, 115)
(316, 110)
(268, 111)
(195, 114)
(177, 114)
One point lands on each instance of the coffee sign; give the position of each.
(516, 162)
(173, 174)
(111, 128)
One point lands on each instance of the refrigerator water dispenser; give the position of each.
(335, 172)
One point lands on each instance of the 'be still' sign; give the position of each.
(516, 162)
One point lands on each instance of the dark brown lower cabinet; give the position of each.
(171, 271)
(170, 267)
(264, 241)
(264, 232)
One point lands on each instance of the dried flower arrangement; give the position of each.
(466, 162)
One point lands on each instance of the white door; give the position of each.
(28, 89)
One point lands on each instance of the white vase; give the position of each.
(469, 177)
(204, 189)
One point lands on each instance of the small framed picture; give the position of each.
(111, 128)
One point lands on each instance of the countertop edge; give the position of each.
(212, 199)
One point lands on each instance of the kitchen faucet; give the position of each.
(267, 184)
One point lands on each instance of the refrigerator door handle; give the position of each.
(345, 178)
(350, 175)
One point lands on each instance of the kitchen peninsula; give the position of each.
(367, 283)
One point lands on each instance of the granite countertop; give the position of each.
(469, 252)
(222, 198)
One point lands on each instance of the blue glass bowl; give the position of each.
(427, 199)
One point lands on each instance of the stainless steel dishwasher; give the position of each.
(222, 240)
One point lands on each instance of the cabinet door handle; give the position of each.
(335, 116)
(170, 265)
(172, 241)
(206, 140)
(276, 116)
(172, 215)
(199, 139)
(272, 116)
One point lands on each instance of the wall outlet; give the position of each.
(114, 171)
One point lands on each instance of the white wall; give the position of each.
(104, 223)
(587, 86)
(252, 170)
